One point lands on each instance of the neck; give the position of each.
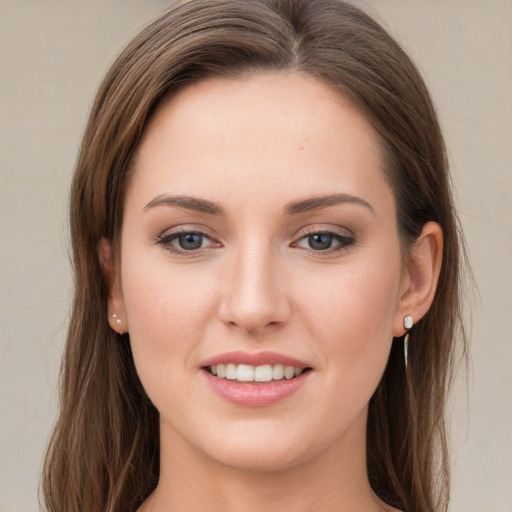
(333, 481)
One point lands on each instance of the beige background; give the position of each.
(52, 56)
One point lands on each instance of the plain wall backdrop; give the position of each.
(53, 54)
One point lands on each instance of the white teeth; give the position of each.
(248, 373)
(245, 373)
(278, 371)
(263, 373)
(231, 371)
(289, 372)
(221, 371)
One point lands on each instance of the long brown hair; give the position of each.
(104, 453)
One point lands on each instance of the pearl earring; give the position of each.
(408, 323)
(118, 320)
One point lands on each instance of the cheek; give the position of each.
(352, 323)
(351, 312)
(161, 302)
(167, 310)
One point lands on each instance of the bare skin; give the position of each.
(259, 220)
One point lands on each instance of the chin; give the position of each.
(269, 446)
(259, 448)
(258, 458)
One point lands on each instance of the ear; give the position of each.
(116, 312)
(420, 277)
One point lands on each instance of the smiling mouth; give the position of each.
(249, 373)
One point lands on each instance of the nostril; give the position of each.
(252, 299)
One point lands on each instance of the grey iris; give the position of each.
(190, 241)
(320, 241)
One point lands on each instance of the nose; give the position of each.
(255, 297)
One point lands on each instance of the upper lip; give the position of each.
(256, 359)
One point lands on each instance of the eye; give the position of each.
(183, 242)
(190, 241)
(320, 241)
(324, 241)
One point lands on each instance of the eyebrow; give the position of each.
(293, 208)
(189, 203)
(316, 203)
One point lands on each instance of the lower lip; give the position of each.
(255, 394)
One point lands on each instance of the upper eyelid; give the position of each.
(333, 230)
(187, 228)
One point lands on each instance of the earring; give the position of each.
(118, 320)
(408, 323)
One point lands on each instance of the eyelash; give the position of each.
(167, 239)
(344, 241)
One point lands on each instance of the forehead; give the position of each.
(260, 134)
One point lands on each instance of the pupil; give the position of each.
(190, 241)
(320, 241)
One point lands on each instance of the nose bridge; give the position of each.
(254, 298)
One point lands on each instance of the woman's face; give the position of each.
(259, 234)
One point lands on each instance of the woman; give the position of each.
(267, 272)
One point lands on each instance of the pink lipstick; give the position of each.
(254, 380)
